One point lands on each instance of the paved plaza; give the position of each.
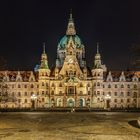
(69, 126)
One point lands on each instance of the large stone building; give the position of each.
(71, 83)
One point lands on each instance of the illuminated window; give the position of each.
(135, 86)
(109, 86)
(32, 86)
(19, 100)
(98, 84)
(128, 100)
(47, 85)
(19, 94)
(122, 86)
(42, 83)
(43, 92)
(60, 85)
(25, 93)
(98, 93)
(115, 93)
(25, 101)
(128, 93)
(115, 100)
(122, 93)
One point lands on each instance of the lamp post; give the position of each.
(33, 98)
(107, 100)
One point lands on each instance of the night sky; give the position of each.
(25, 25)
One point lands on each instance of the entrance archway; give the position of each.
(59, 102)
(82, 103)
(70, 102)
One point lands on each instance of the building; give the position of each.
(71, 83)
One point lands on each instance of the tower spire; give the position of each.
(71, 27)
(97, 47)
(70, 19)
(44, 61)
(44, 48)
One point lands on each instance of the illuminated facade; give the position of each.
(71, 83)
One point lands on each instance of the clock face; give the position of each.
(70, 60)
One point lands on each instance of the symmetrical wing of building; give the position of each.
(71, 83)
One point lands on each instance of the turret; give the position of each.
(44, 68)
(97, 71)
(44, 61)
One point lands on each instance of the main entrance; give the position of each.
(70, 102)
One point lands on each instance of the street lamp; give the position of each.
(33, 98)
(107, 97)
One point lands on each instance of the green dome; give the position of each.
(63, 42)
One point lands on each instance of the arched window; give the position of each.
(81, 85)
(122, 94)
(32, 86)
(47, 85)
(42, 83)
(128, 93)
(25, 101)
(98, 93)
(128, 86)
(122, 86)
(60, 85)
(109, 86)
(25, 93)
(19, 86)
(135, 86)
(128, 100)
(43, 92)
(115, 100)
(19, 94)
(98, 84)
(135, 94)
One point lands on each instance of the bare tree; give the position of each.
(3, 63)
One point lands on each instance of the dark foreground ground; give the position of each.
(69, 126)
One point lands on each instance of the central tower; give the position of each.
(70, 38)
